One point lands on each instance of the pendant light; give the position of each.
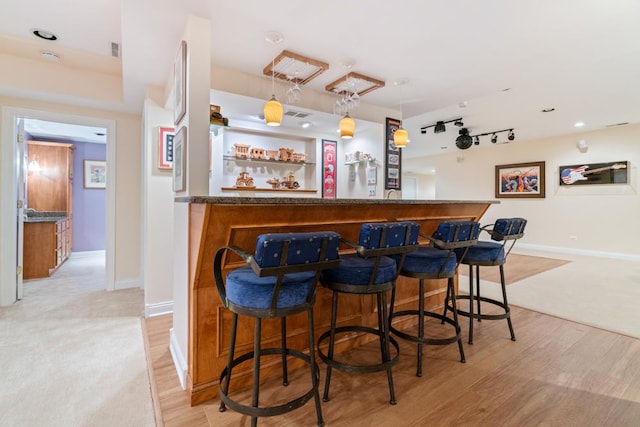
(400, 136)
(273, 110)
(347, 127)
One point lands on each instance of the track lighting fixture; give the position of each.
(476, 141)
(440, 127)
(464, 140)
(494, 138)
(511, 136)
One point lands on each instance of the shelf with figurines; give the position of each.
(244, 182)
(283, 155)
(357, 158)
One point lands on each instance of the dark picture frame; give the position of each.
(520, 180)
(180, 84)
(329, 168)
(165, 148)
(179, 160)
(594, 174)
(393, 157)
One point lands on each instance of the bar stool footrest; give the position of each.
(505, 315)
(425, 340)
(268, 411)
(346, 367)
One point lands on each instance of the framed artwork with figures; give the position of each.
(393, 157)
(520, 180)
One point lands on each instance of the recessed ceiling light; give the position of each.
(579, 124)
(274, 37)
(99, 133)
(44, 34)
(305, 125)
(50, 56)
(462, 104)
(548, 110)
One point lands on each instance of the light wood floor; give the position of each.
(558, 373)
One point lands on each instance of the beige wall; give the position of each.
(602, 218)
(127, 251)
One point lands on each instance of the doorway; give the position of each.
(9, 247)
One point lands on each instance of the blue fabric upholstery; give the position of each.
(508, 227)
(457, 231)
(246, 289)
(355, 270)
(484, 253)
(429, 261)
(371, 233)
(304, 248)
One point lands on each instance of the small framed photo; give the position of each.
(95, 174)
(179, 160)
(180, 84)
(520, 180)
(165, 148)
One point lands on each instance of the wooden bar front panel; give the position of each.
(216, 225)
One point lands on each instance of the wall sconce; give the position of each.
(440, 127)
(582, 146)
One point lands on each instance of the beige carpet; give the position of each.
(519, 267)
(73, 354)
(595, 291)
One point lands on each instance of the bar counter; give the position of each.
(221, 221)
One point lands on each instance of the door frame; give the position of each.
(8, 192)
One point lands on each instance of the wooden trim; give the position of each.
(285, 54)
(375, 83)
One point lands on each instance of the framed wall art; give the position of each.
(393, 157)
(329, 169)
(165, 148)
(180, 83)
(179, 160)
(594, 173)
(95, 174)
(520, 180)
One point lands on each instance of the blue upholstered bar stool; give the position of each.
(504, 232)
(368, 271)
(280, 280)
(436, 261)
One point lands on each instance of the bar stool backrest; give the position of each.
(376, 235)
(508, 229)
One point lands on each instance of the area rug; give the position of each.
(72, 354)
(517, 268)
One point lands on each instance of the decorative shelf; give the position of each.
(286, 190)
(360, 161)
(280, 162)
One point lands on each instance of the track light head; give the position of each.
(439, 128)
(464, 140)
(511, 135)
(494, 138)
(476, 141)
(458, 123)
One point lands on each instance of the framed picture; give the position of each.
(520, 180)
(393, 157)
(329, 169)
(179, 160)
(180, 84)
(95, 174)
(165, 148)
(594, 173)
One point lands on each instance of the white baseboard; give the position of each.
(128, 284)
(87, 254)
(153, 310)
(572, 251)
(178, 359)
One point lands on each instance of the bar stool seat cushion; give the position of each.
(246, 289)
(483, 252)
(429, 260)
(356, 270)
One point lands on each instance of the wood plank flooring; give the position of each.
(558, 373)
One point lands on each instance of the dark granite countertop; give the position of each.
(314, 201)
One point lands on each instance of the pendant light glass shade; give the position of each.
(347, 127)
(400, 138)
(273, 112)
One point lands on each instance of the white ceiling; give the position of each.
(581, 57)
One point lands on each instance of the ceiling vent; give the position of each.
(298, 114)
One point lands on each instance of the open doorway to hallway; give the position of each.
(64, 196)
